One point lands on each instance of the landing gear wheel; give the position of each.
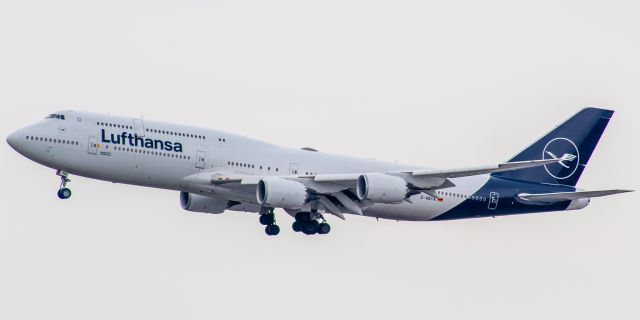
(267, 219)
(324, 228)
(64, 193)
(297, 226)
(272, 230)
(310, 228)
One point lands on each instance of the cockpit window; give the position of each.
(55, 116)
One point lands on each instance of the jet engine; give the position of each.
(204, 204)
(382, 188)
(281, 193)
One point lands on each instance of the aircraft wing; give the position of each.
(336, 193)
(349, 179)
(474, 171)
(435, 179)
(568, 196)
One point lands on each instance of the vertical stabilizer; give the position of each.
(575, 140)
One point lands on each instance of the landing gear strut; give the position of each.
(63, 192)
(268, 219)
(309, 224)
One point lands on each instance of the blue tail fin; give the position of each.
(575, 139)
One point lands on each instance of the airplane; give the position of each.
(216, 171)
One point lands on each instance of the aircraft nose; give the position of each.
(12, 140)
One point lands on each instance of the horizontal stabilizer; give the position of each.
(568, 196)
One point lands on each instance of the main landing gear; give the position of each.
(64, 192)
(268, 219)
(308, 223)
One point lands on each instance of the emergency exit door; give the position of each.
(93, 145)
(138, 127)
(493, 200)
(201, 158)
(293, 169)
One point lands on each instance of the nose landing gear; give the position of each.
(64, 192)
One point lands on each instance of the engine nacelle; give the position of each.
(381, 188)
(198, 203)
(281, 193)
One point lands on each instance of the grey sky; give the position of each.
(442, 84)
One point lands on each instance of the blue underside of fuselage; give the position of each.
(508, 203)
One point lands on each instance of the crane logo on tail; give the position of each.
(568, 161)
(565, 157)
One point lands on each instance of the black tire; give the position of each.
(267, 219)
(297, 226)
(275, 229)
(310, 228)
(64, 193)
(272, 230)
(324, 228)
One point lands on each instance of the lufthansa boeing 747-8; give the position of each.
(216, 171)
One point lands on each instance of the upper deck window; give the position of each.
(55, 116)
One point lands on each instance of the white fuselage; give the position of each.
(104, 147)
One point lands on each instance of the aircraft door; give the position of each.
(201, 158)
(93, 146)
(138, 126)
(493, 200)
(293, 169)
